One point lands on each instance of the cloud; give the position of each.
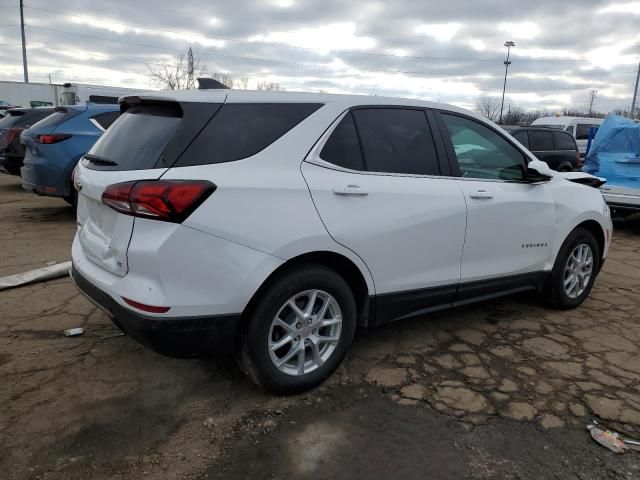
(450, 51)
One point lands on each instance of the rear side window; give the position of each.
(396, 140)
(137, 139)
(522, 137)
(343, 147)
(564, 141)
(240, 130)
(104, 120)
(582, 131)
(540, 141)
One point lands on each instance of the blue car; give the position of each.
(55, 145)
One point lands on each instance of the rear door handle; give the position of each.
(481, 195)
(350, 190)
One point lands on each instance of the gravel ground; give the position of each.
(503, 389)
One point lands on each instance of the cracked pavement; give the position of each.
(502, 389)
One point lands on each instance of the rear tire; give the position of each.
(575, 270)
(322, 325)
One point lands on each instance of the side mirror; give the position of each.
(538, 171)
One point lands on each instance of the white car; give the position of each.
(273, 224)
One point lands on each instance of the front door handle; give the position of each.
(350, 190)
(481, 195)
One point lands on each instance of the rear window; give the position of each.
(240, 130)
(137, 139)
(10, 119)
(564, 141)
(55, 117)
(540, 141)
(25, 118)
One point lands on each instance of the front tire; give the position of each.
(575, 269)
(299, 331)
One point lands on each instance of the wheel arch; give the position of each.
(596, 229)
(337, 262)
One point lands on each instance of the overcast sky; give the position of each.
(450, 50)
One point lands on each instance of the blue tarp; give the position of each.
(615, 152)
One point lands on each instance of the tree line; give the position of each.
(489, 107)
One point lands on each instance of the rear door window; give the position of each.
(241, 130)
(137, 139)
(396, 140)
(540, 141)
(343, 148)
(564, 141)
(522, 137)
(104, 120)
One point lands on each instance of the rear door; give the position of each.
(139, 145)
(384, 197)
(510, 223)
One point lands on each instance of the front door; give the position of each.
(510, 222)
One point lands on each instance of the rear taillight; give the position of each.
(49, 138)
(166, 200)
(12, 133)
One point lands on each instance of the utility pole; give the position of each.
(635, 95)
(24, 44)
(507, 44)
(592, 98)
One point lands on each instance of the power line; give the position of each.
(296, 47)
(280, 62)
(545, 91)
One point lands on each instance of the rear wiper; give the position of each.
(98, 159)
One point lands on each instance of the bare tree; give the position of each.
(268, 86)
(177, 75)
(242, 83)
(513, 116)
(592, 98)
(488, 107)
(223, 78)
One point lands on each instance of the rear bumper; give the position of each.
(181, 337)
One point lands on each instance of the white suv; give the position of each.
(273, 224)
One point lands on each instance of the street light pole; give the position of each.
(507, 44)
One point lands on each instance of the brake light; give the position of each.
(12, 133)
(50, 138)
(166, 200)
